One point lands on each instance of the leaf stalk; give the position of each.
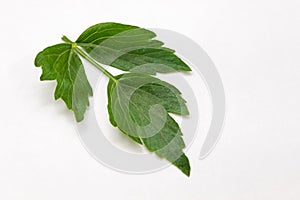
(89, 58)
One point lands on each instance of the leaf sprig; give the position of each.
(138, 103)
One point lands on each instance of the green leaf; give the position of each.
(139, 105)
(61, 63)
(129, 48)
(110, 88)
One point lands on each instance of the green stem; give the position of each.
(93, 62)
(88, 58)
(65, 39)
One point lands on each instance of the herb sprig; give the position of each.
(139, 104)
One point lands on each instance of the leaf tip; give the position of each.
(38, 59)
(183, 164)
(78, 118)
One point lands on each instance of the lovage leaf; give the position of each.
(129, 48)
(139, 105)
(61, 63)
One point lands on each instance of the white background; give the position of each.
(255, 45)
